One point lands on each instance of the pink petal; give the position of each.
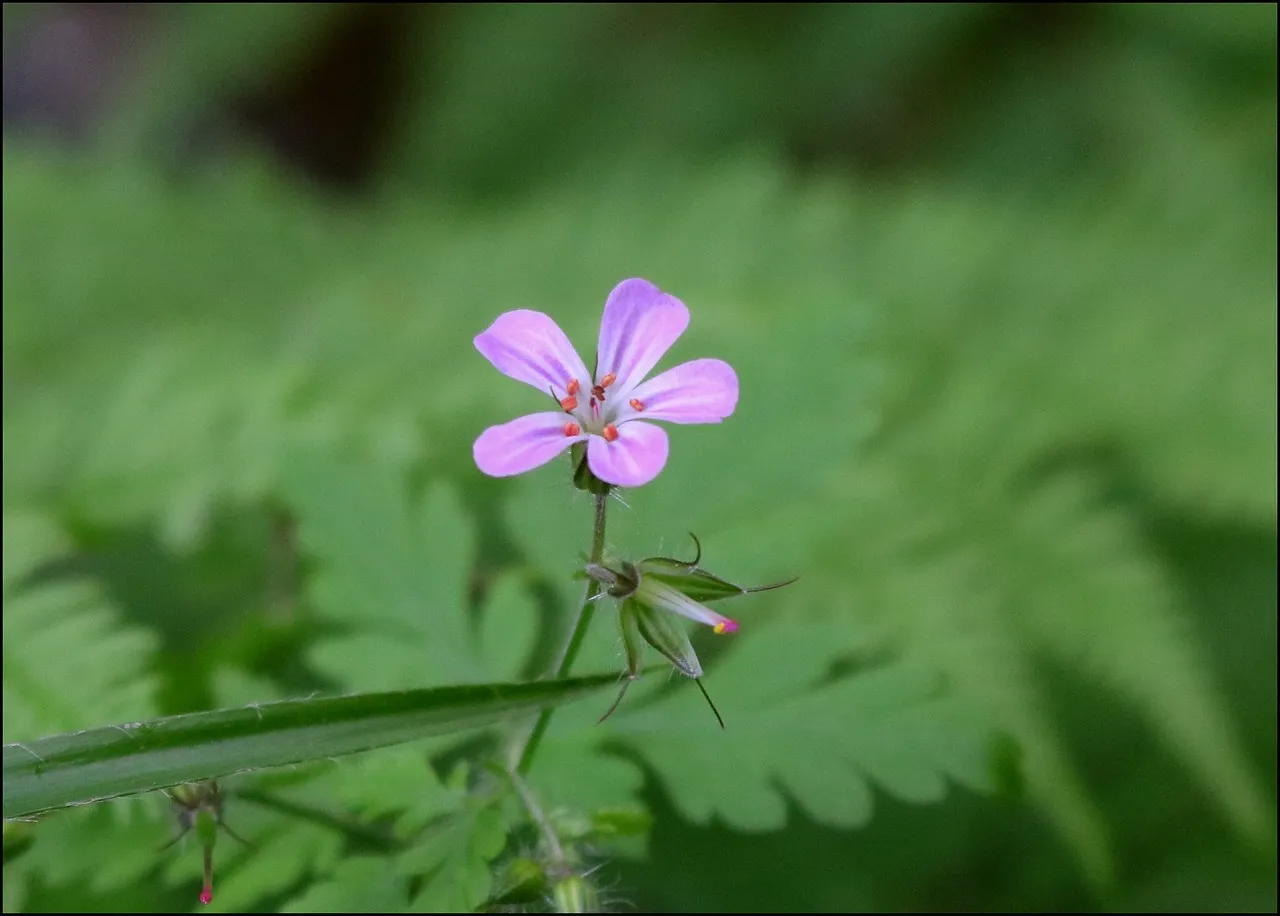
(631, 460)
(523, 444)
(640, 324)
(700, 391)
(529, 347)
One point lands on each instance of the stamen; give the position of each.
(610, 433)
(608, 380)
(572, 429)
(569, 403)
(636, 404)
(727, 626)
(598, 392)
(572, 388)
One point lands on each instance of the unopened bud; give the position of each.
(693, 581)
(199, 805)
(666, 634)
(583, 479)
(575, 895)
(653, 590)
(523, 882)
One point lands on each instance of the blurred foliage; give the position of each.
(1000, 285)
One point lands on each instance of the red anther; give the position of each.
(608, 380)
(610, 433)
(573, 429)
(636, 404)
(569, 403)
(572, 387)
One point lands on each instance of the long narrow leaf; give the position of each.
(102, 763)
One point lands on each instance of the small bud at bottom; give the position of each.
(583, 479)
(575, 895)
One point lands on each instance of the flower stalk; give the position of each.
(569, 654)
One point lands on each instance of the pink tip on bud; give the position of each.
(206, 892)
(727, 626)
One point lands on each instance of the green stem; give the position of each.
(570, 652)
(367, 837)
(539, 817)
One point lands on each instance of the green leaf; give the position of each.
(68, 848)
(106, 762)
(992, 562)
(397, 783)
(386, 564)
(455, 861)
(284, 852)
(69, 662)
(894, 726)
(359, 884)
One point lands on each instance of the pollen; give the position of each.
(572, 388)
(727, 626)
(636, 404)
(569, 403)
(608, 380)
(610, 433)
(572, 429)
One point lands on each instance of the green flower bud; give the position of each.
(524, 881)
(678, 586)
(574, 895)
(665, 633)
(694, 582)
(646, 590)
(199, 805)
(583, 479)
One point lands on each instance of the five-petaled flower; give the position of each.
(606, 410)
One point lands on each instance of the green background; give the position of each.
(999, 282)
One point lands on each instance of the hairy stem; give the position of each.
(540, 819)
(571, 648)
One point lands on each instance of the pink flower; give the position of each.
(607, 410)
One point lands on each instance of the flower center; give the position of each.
(593, 411)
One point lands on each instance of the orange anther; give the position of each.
(572, 387)
(569, 403)
(572, 429)
(636, 404)
(608, 380)
(610, 433)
